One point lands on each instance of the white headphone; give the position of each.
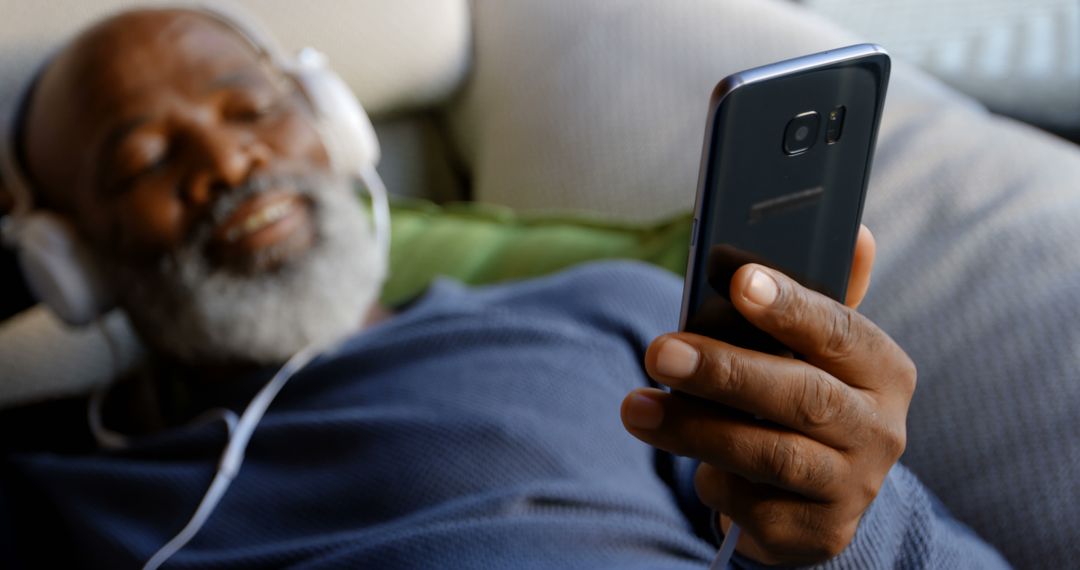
(60, 267)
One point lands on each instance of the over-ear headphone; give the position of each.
(61, 269)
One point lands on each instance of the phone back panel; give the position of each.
(757, 202)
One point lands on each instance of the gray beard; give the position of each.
(201, 314)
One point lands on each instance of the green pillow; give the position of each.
(481, 243)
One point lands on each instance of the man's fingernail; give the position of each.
(644, 412)
(676, 359)
(762, 289)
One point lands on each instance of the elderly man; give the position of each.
(468, 428)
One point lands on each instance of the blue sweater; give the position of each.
(477, 429)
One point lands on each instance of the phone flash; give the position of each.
(835, 125)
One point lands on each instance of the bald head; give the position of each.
(104, 73)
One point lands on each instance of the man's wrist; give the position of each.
(883, 523)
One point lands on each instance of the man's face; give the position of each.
(156, 115)
(195, 170)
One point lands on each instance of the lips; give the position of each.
(265, 231)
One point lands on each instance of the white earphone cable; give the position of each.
(727, 548)
(233, 455)
(380, 208)
(109, 439)
(105, 437)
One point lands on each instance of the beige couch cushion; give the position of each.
(601, 106)
(396, 55)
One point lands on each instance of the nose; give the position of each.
(223, 158)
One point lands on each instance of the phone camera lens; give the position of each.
(801, 132)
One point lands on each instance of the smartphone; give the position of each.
(784, 170)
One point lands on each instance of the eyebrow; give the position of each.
(241, 77)
(248, 76)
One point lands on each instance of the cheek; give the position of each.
(150, 220)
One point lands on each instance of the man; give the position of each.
(469, 428)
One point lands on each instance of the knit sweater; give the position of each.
(478, 428)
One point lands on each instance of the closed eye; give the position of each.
(250, 107)
(138, 155)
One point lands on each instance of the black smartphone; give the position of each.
(783, 177)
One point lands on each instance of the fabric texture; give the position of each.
(906, 527)
(1021, 59)
(480, 244)
(477, 429)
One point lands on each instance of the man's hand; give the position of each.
(793, 450)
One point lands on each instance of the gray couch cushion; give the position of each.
(979, 279)
(1021, 59)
